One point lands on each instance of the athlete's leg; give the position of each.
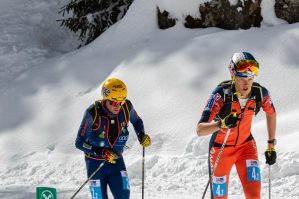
(118, 180)
(219, 185)
(248, 170)
(98, 183)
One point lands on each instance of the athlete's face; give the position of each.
(113, 107)
(243, 85)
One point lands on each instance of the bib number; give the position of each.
(95, 189)
(253, 170)
(219, 186)
(125, 179)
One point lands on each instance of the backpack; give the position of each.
(228, 90)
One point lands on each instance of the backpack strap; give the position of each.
(257, 93)
(228, 98)
(95, 111)
(127, 106)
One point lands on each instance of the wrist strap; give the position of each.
(273, 141)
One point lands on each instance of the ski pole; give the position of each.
(100, 166)
(216, 163)
(269, 182)
(143, 157)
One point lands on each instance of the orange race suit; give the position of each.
(240, 149)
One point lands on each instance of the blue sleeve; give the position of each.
(137, 122)
(84, 131)
(267, 103)
(265, 92)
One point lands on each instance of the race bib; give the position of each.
(219, 186)
(253, 170)
(95, 189)
(126, 184)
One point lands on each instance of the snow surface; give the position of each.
(170, 75)
(29, 35)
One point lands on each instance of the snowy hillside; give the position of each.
(169, 74)
(29, 35)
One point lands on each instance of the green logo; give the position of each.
(45, 193)
(102, 135)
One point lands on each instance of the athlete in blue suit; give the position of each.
(102, 136)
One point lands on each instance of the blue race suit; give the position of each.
(101, 129)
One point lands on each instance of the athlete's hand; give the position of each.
(109, 155)
(270, 155)
(145, 141)
(98, 150)
(229, 121)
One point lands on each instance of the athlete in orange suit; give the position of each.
(232, 105)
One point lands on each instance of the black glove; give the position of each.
(98, 150)
(229, 121)
(270, 155)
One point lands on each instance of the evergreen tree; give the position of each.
(92, 17)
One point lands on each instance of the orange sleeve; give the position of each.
(212, 107)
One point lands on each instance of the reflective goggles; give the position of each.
(249, 67)
(115, 104)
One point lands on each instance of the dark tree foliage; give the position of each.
(90, 18)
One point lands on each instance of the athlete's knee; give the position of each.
(125, 194)
(253, 195)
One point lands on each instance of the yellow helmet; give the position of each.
(114, 90)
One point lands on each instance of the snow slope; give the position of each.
(170, 75)
(29, 35)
